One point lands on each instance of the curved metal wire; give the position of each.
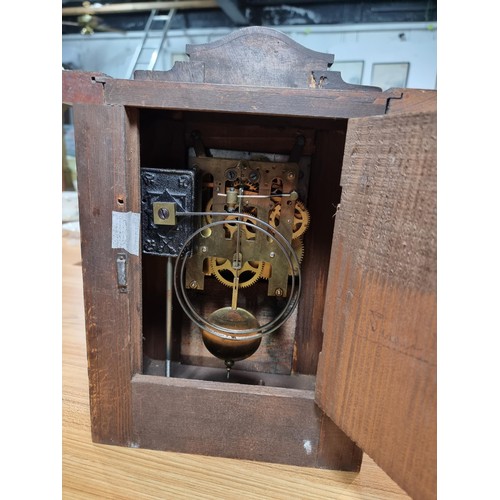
(244, 334)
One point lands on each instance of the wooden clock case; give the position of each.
(359, 368)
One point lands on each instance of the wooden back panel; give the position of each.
(377, 370)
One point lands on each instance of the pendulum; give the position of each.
(235, 347)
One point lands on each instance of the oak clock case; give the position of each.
(208, 201)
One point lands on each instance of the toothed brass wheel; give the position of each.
(230, 228)
(300, 218)
(208, 208)
(223, 270)
(248, 231)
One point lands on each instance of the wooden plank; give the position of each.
(250, 133)
(82, 87)
(258, 56)
(268, 424)
(413, 101)
(377, 371)
(263, 57)
(193, 372)
(324, 196)
(95, 88)
(131, 201)
(322, 103)
(106, 138)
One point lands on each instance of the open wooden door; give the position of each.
(377, 370)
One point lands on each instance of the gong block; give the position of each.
(255, 90)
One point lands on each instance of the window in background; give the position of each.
(350, 71)
(387, 75)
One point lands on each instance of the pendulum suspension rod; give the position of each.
(168, 350)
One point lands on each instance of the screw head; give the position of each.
(163, 213)
(278, 292)
(254, 176)
(231, 174)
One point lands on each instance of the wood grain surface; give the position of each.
(112, 317)
(252, 422)
(412, 101)
(110, 472)
(255, 55)
(319, 103)
(325, 195)
(377, 372)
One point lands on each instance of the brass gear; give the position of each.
(208, 208)
(249, 273)
(298, 247)
(251, 188)
(300, 218)
(248, 231)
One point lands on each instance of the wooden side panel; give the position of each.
(324, 196)
(132, 203)
(268, 424)
(377, 371)
(106, 155)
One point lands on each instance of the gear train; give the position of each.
(238, 218)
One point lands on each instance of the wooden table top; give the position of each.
(108, 472)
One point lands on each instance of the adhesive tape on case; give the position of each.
(125, 230)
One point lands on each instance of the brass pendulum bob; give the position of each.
(236, 347)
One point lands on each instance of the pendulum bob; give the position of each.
(234, 346)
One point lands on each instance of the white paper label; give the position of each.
(125, 230)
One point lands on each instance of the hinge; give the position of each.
(121, 272)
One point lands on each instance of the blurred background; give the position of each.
(375, 42)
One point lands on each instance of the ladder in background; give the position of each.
(146, 55)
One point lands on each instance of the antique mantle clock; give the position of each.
(259, 243)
